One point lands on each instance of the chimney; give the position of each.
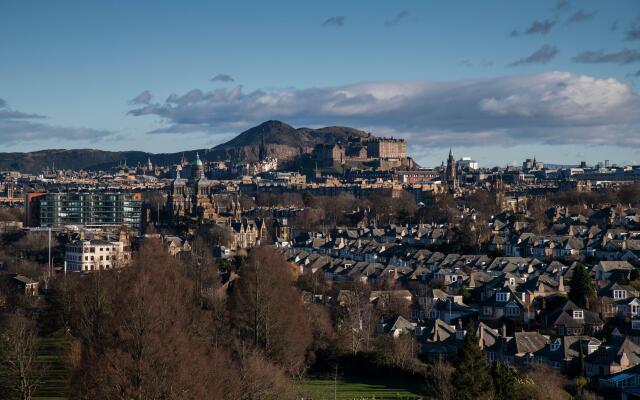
(503, 330)
(561, 283)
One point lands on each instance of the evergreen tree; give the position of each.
(472, 376)
(505, 380)
(582, 292)
(581, 362)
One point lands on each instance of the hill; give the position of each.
(280, 140)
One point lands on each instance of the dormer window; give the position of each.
(512, 281)
(555, 345)
(619, 294)
(502, 296)
(578, 314)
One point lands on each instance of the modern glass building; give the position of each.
(58, 209)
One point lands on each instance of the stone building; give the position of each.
(385, 153)
(193, 197)
(384, 148)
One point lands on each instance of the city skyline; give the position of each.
(497, 81)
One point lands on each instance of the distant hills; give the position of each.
(280, 140)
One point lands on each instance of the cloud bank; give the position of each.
(625, 56)
(549, 108)
(17, 126)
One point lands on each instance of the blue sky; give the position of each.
(497, 80)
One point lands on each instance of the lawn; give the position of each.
(323, 389)
(51, 352)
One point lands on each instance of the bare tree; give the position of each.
(262, 380)
(398, 352)
(439, 379)
(537, 208)
(268, 311)
(356, 320)
(141, 344)
(18, 352)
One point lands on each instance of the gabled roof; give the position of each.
(608, 266)
(528, 342)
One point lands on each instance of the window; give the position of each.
(619, 294)
(487, 310)
(635, 324)
(502, 296)
(578, 314)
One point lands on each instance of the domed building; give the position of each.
(192, 197)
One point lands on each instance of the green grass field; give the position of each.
(323, 389)
(51, 353)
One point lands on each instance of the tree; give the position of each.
(398, 352)
(505, 380)
(261, 380)
(537, 208)
(139, 344)
(577, 364)
(10, 214)
(582, 292)
(215, 235)
(545, 384)
(268, 310)
(439, 380)
(472, 377)
(18, 358)
(356, 319)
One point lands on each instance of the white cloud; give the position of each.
(554, 107)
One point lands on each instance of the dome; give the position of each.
(197, 162)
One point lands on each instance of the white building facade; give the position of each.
(94, 255)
